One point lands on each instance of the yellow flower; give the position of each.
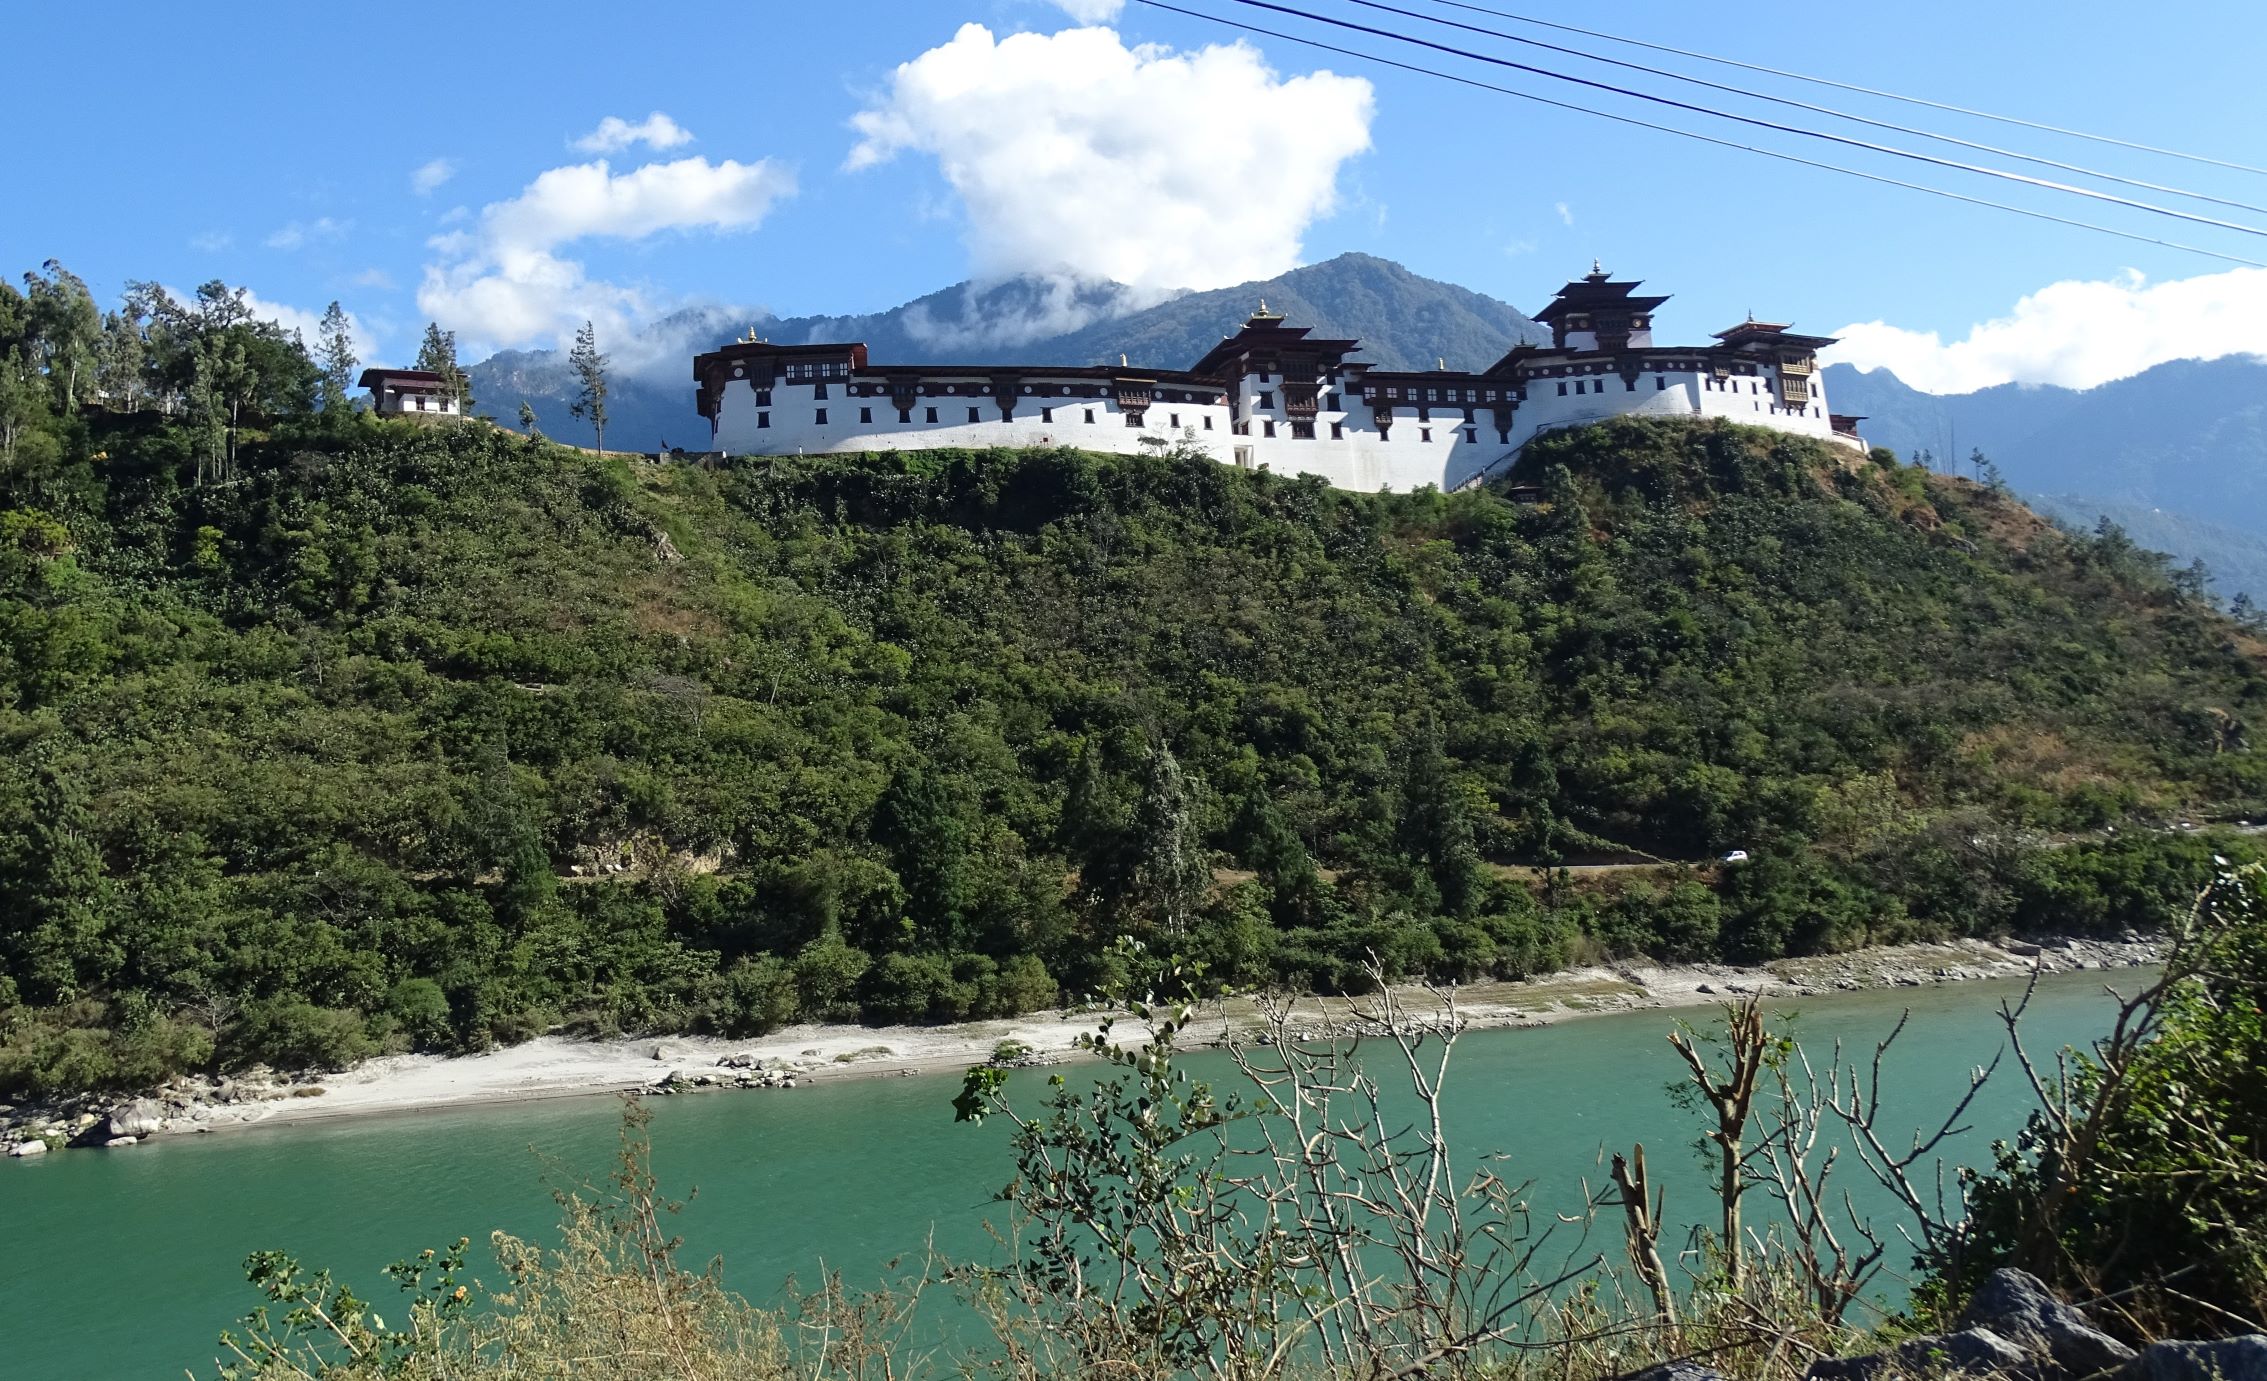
(459, 1294)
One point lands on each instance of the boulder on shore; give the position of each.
(28, 1148)
(137, 1119)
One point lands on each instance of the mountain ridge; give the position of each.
(1403, 319)
(2179, 450)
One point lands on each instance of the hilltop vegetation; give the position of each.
(388, 734)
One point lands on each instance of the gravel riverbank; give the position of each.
(558, 1066)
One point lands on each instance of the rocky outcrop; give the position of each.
(1970, 1352)
(2230, 1359)
(2017, 1306)
(2015, 1328)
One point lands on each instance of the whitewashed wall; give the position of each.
(1359, 460)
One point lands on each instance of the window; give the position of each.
(865, 415)
(1267, 429)
(1263, 376)
(1468, 414)
(1393, 392)
(1338, 431)
(1208, 424)
(763, 419)
(818, 390)
(1503, 436)
(930, 415)
(1629, 385)
(974, 415)
(1330, 402)
(1133, 419)
(1490, 395)
(1471, 436)
(1046, 414)
(1302, 431)
(1174, 420)
(822, 418)
(1267, 400)
(1432, 395)
(1385, 431)
(905, 416)
(1424, 414)
(1562, 390)
(1090, 417)
(1424, 433)
(763, 397)
(1660, 381)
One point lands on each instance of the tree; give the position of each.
(590, 377)
(527, 418)
(1171, 868)
(1269, 847)
(22, 406)
(438, 355)
(122, 357)
(1090, 828)
(338, 361)
(918, 823)
(67, 326)
(1436, 828)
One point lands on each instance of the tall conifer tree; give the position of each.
(590, 381)
(338, 361)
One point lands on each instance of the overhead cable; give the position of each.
(1864, 144)
(1320, 46)
(1854, 118)
(1851, 86)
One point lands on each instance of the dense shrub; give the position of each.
(403, 710)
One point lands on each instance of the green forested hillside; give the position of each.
(434, 736)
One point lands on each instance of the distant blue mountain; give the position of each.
(2177, 455)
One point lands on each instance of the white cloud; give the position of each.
(1011, 313)
(374, 278)
(1566, 213)
(501, 282)
(2077, 334)
(1073, 154)
(615, 134)
(300, 234)
(1091, 11)
(212, 241)
(427, 177)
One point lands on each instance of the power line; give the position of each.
(1949, 195)
(1849, 86)
(1993, 149)
(1867, 145)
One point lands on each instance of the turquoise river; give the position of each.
(128, 1263)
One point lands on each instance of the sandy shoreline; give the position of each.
(796, 1057)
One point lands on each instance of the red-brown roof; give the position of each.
(376, 378)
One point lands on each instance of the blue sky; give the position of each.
(847, 157)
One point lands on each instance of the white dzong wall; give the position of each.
(1365, 430)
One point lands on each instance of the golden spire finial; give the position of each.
(1440, 363)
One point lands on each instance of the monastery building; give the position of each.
(1273, 396)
